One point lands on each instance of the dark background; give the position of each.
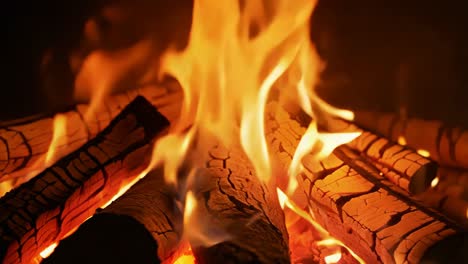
(379, 55)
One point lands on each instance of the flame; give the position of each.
(48, 250)
(435, 182)
(328, 239)
(424, 153)
(402, 140)
(58, 138)
(333, 258)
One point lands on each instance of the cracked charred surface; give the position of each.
(243, 208)
(362, 208)
(446, 144)
(150, 203)
(402, 166)
(24, 143)
(48, 207)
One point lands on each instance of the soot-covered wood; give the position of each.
(139, 227)
(245, 211)
(361, 207)
(49, 206)
(446, 144)
(24, 144)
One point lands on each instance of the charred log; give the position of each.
(49, 206)
(141, 225)
(243, 208)
(402, 166)
(361, 207)
(26, 142)
(446, 145)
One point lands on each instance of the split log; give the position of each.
(401, 165)
(237, 204)
(24, 144)
(49, 206)
(377, 221)
(138, 227)
(360, 207)
(446, 145)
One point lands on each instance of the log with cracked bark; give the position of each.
(244, 211)
(446, 145)
(144, 224)
(49, 206)
(362, 208)
(25, 143)
(401, 165)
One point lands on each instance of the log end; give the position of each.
(422, 178)
(107, 238)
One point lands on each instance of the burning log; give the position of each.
(361, 207)
(446, 145)
(402, 166)
(145, 220)
(246, 211)
(379, 222)
(24, 145)
(49, 206)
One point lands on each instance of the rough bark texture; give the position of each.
(446, 145)
(23, 145)
(48, 207)
(149, 205)
(241, 207)
(402, 166)
(362, 208)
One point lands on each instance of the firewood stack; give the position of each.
(378, 197)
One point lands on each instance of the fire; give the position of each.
(58, 138)
(327, 240)
(237, 52)
(48, 250)
(333, 258)
(435, 182)
(424, 153)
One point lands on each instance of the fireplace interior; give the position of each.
(156, 131)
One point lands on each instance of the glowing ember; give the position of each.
(328, 240)
(333, 258)
(424, 153)
(434, 182)
(49, 250)
(402, 140)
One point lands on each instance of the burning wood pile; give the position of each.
(238, 161)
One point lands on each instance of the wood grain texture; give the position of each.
(403, 166)
(26, 143)
(362, 208)
(48, 207)
(447, 145)
(242, 207)
(151, 204)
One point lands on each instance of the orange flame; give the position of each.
(328, 239)
(58, 138)
(48, 250)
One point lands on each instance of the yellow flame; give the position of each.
(48, 250)
(434, 182)
(402, 140)
(328, 239)
(333, 258)
(58, 138)
(424, 153)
